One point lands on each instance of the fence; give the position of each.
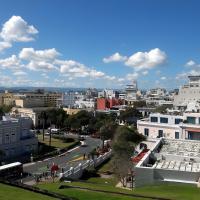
(76, 172)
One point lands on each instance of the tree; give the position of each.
(138, 104)
(123, 146)
(107, 131)
(163, 108)
(43, 116)
(79, 120)
(130, 115)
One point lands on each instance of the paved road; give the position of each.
(63, 160)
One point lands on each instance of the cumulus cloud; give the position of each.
(133, 76)
(77, 69)
(11, 62)
(116, 57)
(40, 66)
(38, 55)
(16, 29)
(4, 45)
(19, 73)
(194, 69)
(39, 60)
(146, 60)
(190, 63)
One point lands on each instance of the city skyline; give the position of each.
(98, 44)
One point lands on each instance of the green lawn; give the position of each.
(106, 167)
(57, 143)
(174, 191)
(13, 193)
(84, 194)
(167, 190)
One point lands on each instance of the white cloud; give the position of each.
(145, 72)
(190, 63)
(4, 45)
(17, 29)
(38, 55)
(45, 75)
(194, 70)
(116, 57)
(163, 78)
(96, 74)
(19, 73)
(133, 76)
(11, 62)
(110, 78)
(40, 66)
(77, 69)
(146, 60)
(39, 60)
(184, 75)
(120, 80)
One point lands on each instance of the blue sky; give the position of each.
(107, 43)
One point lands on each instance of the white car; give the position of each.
(83, 144)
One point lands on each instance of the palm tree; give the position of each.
(51, 115)
(43, 116)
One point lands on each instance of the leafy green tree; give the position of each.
(107, 131)
(129, 114)
(123, 147)
(138, 104)
(163, 108)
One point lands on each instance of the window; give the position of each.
(176, 135)
(191, 120)
(160, 133)
(164, 120)
(154, 119)
(146, 132)
(7, 139)
(178, 121)
(13, 137)
(1, 138)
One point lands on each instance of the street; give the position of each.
(63, 160)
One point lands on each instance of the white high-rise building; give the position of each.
(16, 138)
(67, 100)
(188, 93)
(131, 92)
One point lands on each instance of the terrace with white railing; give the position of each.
(76, 172)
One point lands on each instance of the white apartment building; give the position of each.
(85, 103)
(32, 113)
(171, 126)
(131, 92)
(158, 97)
(107, 94)
(188, 93)
(16, 139)
(67, 100)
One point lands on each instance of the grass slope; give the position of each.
(13, 193)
